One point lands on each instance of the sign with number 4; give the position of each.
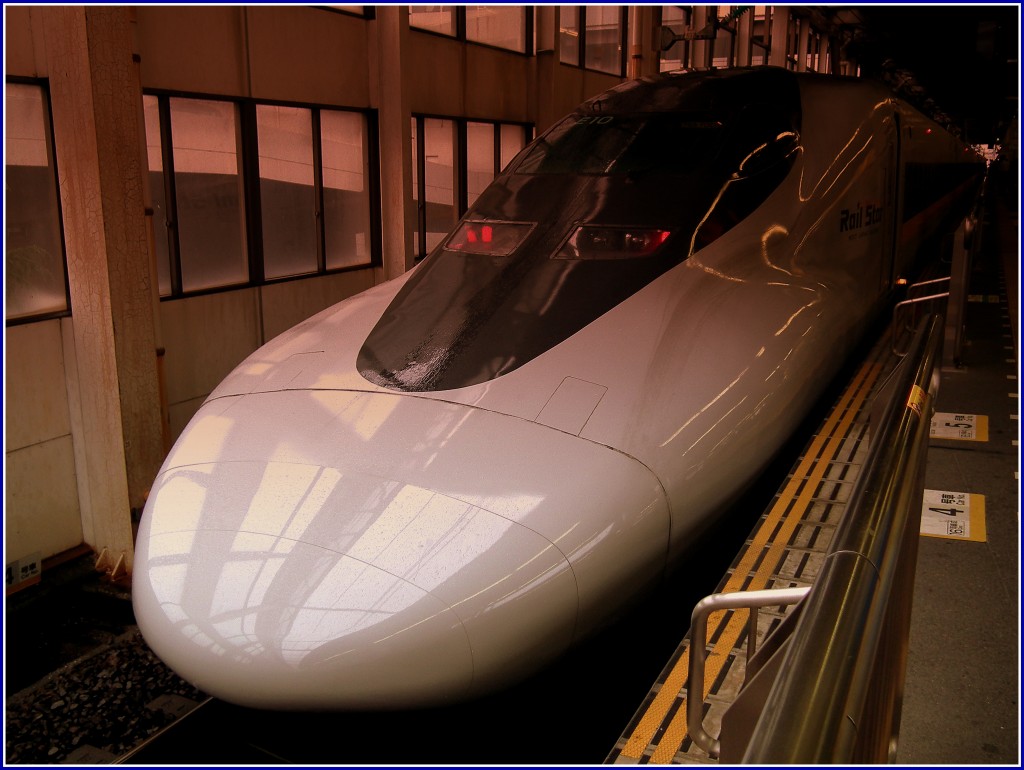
(957, 515)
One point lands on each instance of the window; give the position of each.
(438, 193)
(677, 19)
(162, 232)
(355, 10)
(569, 35)
(287, 190)
(36, 283)
(603, 48)
(453, 162)
(347, 216)
(480, 160)
(594, 33)
(513, 138)
(500, 26)
(210, 221)
(439, 19)
(245, 192)
(490, 147)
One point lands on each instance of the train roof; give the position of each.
(722, 91)
(703, 90)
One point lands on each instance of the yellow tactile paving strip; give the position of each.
(785, 550)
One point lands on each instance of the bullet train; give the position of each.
(433, 489)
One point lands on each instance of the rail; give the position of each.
(751, 600)
(897, 327)
(962, 247)
(838, 692)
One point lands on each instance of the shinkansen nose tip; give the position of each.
(348, 590)
(299, 537)
(272, 622)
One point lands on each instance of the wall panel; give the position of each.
(197, 49)
(41, 500)
(308, 55)
(34, 382)
(205, 337)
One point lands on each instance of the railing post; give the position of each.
(956, 304)
(748, 600)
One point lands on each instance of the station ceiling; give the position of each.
(964, 58)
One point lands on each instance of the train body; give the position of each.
(434, 488)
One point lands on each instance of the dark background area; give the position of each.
(963, 59)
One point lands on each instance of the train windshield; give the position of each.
(598, 207)
(625, 144)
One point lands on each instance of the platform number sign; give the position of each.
(958, 515)
(959, 427)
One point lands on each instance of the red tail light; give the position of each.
(495, 239)
(612, 243)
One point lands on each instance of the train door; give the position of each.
(893, 204)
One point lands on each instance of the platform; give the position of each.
(961, 696)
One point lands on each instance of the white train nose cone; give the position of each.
(334, 549)
(293, 586)
(271, 622)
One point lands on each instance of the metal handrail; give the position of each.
(919, 284)
(914, 301)
(750, 600)
(836, 698)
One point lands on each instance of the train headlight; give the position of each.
(590, 242)
(494, 239)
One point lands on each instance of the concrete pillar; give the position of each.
(643, 45)
(700, 50)
(556, 88)
(802, 46)
(147, 202)
(95, 101)
(780, 35)
(744, 31)
(398, 214)
(546, 21)
(635, 49)
(830, 65)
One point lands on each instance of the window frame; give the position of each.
(581, 41)
(368, 13)
(51, 148)
(445, 35)
(460, 32)
(685, 45)
(251, 197)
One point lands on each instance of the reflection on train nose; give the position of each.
(373, 593)
(291, 618)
